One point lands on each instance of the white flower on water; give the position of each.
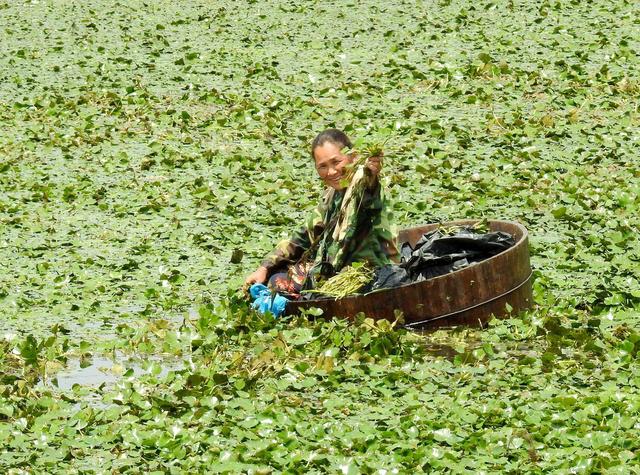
(445, 433)
(344, 468)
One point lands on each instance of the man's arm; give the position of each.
(292, 249)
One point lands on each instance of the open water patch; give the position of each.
(103, 371)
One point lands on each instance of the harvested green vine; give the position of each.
(347, 282)
(363, 152)
(481, 226)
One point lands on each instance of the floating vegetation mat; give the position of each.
(152, 152)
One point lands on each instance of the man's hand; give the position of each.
(259, 276)
(374, 164)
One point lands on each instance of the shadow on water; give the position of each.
(439, 349)
(447, 342)
(462, 342)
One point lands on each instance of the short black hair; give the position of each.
(334, 136)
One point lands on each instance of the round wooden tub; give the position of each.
(496, 286)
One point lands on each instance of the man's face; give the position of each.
(330, 164)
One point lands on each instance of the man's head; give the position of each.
(330, 162)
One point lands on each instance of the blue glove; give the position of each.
(258, 290)
(262, 300)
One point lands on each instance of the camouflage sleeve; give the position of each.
(382, 238)
(291, 250)
(364, 232)
(384, 229)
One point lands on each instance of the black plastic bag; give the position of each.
(387, 277)
(437, 254)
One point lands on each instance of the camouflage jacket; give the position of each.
(362, 232)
